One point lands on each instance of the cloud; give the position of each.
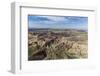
(54, 18)
(76, 22)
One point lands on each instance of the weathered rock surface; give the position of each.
(57, 46)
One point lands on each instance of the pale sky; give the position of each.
(74, 22)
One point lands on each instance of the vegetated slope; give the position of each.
(57, 44)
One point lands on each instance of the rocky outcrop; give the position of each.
(57, 46)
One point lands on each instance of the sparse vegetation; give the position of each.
(49, 44)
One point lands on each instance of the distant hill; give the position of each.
(54, 29)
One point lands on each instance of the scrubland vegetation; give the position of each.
(50, 44)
